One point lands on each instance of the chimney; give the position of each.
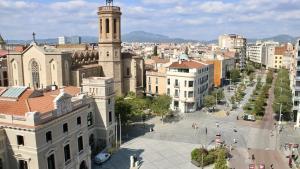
(180, 61)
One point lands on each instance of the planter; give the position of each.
(196, 163)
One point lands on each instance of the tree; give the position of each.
(155, 53)
(123, 109)
(161, 105)
(235, 75)
(219, 93)
(249, 69)
(251, 77)
(209, 101)
(269, 77)
(221, 162)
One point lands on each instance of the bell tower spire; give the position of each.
(110, 43)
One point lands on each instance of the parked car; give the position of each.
(249, 117)
(101, 158)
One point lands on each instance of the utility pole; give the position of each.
(120, 129)
(116, 128)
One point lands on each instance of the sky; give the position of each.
(188, 19)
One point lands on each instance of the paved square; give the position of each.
(153, 154)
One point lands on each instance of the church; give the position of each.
(42, 66)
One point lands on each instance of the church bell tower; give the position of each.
(110, 43)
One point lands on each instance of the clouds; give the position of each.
(194, 19)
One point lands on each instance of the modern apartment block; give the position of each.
(187, 84)
(254, 52)
(295, 83)
(52, 129)
(236, 43)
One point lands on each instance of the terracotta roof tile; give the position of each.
(40, 104)
(187, 64)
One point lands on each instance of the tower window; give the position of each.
(20, 140)
(107, 54)
(115, 25)
(107, 25)
(100, 25)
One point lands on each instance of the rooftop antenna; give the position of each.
(109, 2)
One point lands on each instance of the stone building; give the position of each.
(50, 129)
(42, 66)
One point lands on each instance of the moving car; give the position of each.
(101, 158)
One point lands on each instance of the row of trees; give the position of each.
(133, 108)
(238, 95)
(283, 94)
(257, 103)
(211, 100)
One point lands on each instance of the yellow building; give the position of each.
(156, 81)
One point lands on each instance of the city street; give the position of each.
(171, 143)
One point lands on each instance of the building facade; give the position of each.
(57, 128)
(236, 43)
(295, 83)
(187, 84)
(42, 66)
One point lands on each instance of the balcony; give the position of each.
(176, 85)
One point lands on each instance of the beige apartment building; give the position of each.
(156, 76)
(52, 129)
(42, 66)
(236, 43)
(156, 81)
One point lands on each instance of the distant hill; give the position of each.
(141, 36)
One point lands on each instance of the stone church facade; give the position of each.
(45, 66)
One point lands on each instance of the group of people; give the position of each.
(195, 126)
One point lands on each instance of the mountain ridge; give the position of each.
(142, 36)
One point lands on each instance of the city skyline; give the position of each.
(203, 20)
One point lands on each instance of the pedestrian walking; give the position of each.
(271, 166)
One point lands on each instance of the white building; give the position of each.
(187, 84)
(254, 52)
(295, 83)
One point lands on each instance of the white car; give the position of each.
(101, 158)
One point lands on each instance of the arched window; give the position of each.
(107, 25)
(35, 74)
(100, 25)
(115, 25)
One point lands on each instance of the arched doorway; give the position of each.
(83, 165)
(35, 74)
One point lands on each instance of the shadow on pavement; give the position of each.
(135, 130)
(121, 159)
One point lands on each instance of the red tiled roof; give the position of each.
(159, 60)
(40, 104)
(280, 50)
(187, 64)
(3, 53)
